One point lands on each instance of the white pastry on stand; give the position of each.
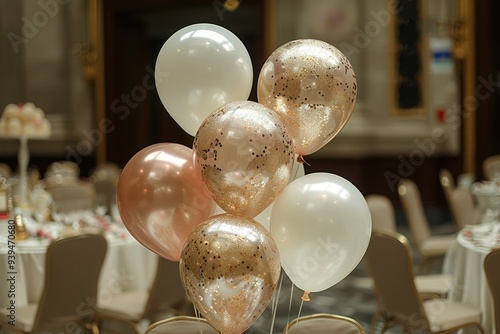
(23, 122)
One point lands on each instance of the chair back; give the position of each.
(388, 259)
(447, 183)
(413, 209)
(462, 208)
(491, 167)
(167, 291)
(72, 268)
(105, 179)
(382, 212)
(72, 196)
(324, 323)
(62, 170)
(492, 271)
(181, 325)
(5, 171)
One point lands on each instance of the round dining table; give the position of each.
(465, 262)
(127, 266)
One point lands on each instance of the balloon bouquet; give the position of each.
(237, 208)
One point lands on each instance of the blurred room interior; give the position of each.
(429, 107)
(427, 73)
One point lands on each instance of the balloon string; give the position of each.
(289, 308)
(300, 311)
(197, 314)
(274, 305)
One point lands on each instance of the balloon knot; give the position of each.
(300, 160)
(305, 296)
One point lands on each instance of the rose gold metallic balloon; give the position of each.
(245, 156)
(312, 86)
(230, 266)
(161, 198)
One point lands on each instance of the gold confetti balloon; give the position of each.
(230, 267)
(244, 155)
(312, 86)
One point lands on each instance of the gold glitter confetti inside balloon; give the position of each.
(244, 155)
(312, 86)
(230, 267)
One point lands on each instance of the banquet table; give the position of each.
(127, 266)
(464, 261)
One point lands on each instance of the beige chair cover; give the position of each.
(491, 167)
(72, 196)
(166, 297)
(181, 325)
(72, 267)
(388, 259)
(447, 183)
(382, 212)
(426, 244)
(462, 208)
(324, 323)
(492, 271)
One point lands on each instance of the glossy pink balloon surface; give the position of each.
(161, 199)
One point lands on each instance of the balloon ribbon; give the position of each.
(305, 296)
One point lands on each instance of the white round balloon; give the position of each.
(321, 224)
(200, 68)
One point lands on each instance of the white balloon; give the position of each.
(322, 226)
(199, 69)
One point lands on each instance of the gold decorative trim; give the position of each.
(96, 49)
(466, 14)
(271, 19)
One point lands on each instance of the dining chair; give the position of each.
(105, 180)
(5, 171)
(181, 325)
(447, 183)
(388, 259)
(491, 167)
(60, 171)
(323, 323)
(72, 196)
(427, 245)
(492, 271)
(72, 267)
(165, 298)
(382, 212)
(462, 207)
(383, 218)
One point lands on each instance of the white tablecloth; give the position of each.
(127, 266)
(464, 261)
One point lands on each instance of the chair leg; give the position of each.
(384, 328)
(93, 327)
(373, 325)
